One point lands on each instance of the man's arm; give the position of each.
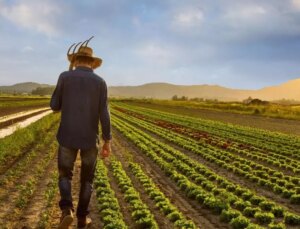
(56, 99)
(104, 114)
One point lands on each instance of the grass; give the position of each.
(11, 102)
(14, 104)
(13, 145)
(270, 110)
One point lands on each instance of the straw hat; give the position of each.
(87, 52)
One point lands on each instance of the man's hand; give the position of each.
(106, 149)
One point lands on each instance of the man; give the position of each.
(81, 96)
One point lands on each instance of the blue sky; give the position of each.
(233, 43)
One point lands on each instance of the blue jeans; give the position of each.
(66, 159)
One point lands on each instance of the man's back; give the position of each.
(81, 96)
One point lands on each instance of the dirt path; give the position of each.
(30, 215)
(12, 204)
(17, 119)
(202, 217)
(10, 117)
(272, 124)
(12, 128)
(8, 111)
(94, 215)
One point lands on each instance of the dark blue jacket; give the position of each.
(81, 96)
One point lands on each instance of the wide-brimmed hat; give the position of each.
(83, 52)
(87, 52)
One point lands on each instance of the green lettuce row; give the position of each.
(242, 167)
(274, 159)
(204, 197)
(107, 203)
(282, 144)
(161, 201)
(139, 211)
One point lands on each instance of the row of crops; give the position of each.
(241, 206)
(140, 213)
(282, 144)
(221, 169)
(287, 186)
(27, 158)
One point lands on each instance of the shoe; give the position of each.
(84, 222)
(66, 219)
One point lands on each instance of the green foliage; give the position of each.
(276, 226)
(264, 217)
(108, 205)
(216, 205)
(266, 205)
(43, 91)
(291, 219)
(228, 215)
(162, 202)
(250, 211)
(278, 211)
(139, 211)
(295, 199)
(239, 222)
(241, 204)
(198, 182)
(13, 145)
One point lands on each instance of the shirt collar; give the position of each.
(84, 69)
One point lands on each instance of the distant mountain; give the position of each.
(22, 87)
(289, 91)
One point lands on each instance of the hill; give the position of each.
(26, 87)
(289, 90)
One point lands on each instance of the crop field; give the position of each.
(167, 170)
(13, 104)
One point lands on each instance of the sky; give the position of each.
(233, 43)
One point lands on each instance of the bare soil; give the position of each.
(12, 110)
(10, 215)
(96, 221)
(19, 119)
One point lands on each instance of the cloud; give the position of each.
(40, 16)
(155, 53)
(228, 42)
(27, 49)
(188, 18)
(296, 4)
(246, 12)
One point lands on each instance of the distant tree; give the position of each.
(174, 97)
(43, 91)
(256, 111)
(196, 99)
(258, 102)
(248, 100)
(184, 98)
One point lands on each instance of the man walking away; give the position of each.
(81, 96)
